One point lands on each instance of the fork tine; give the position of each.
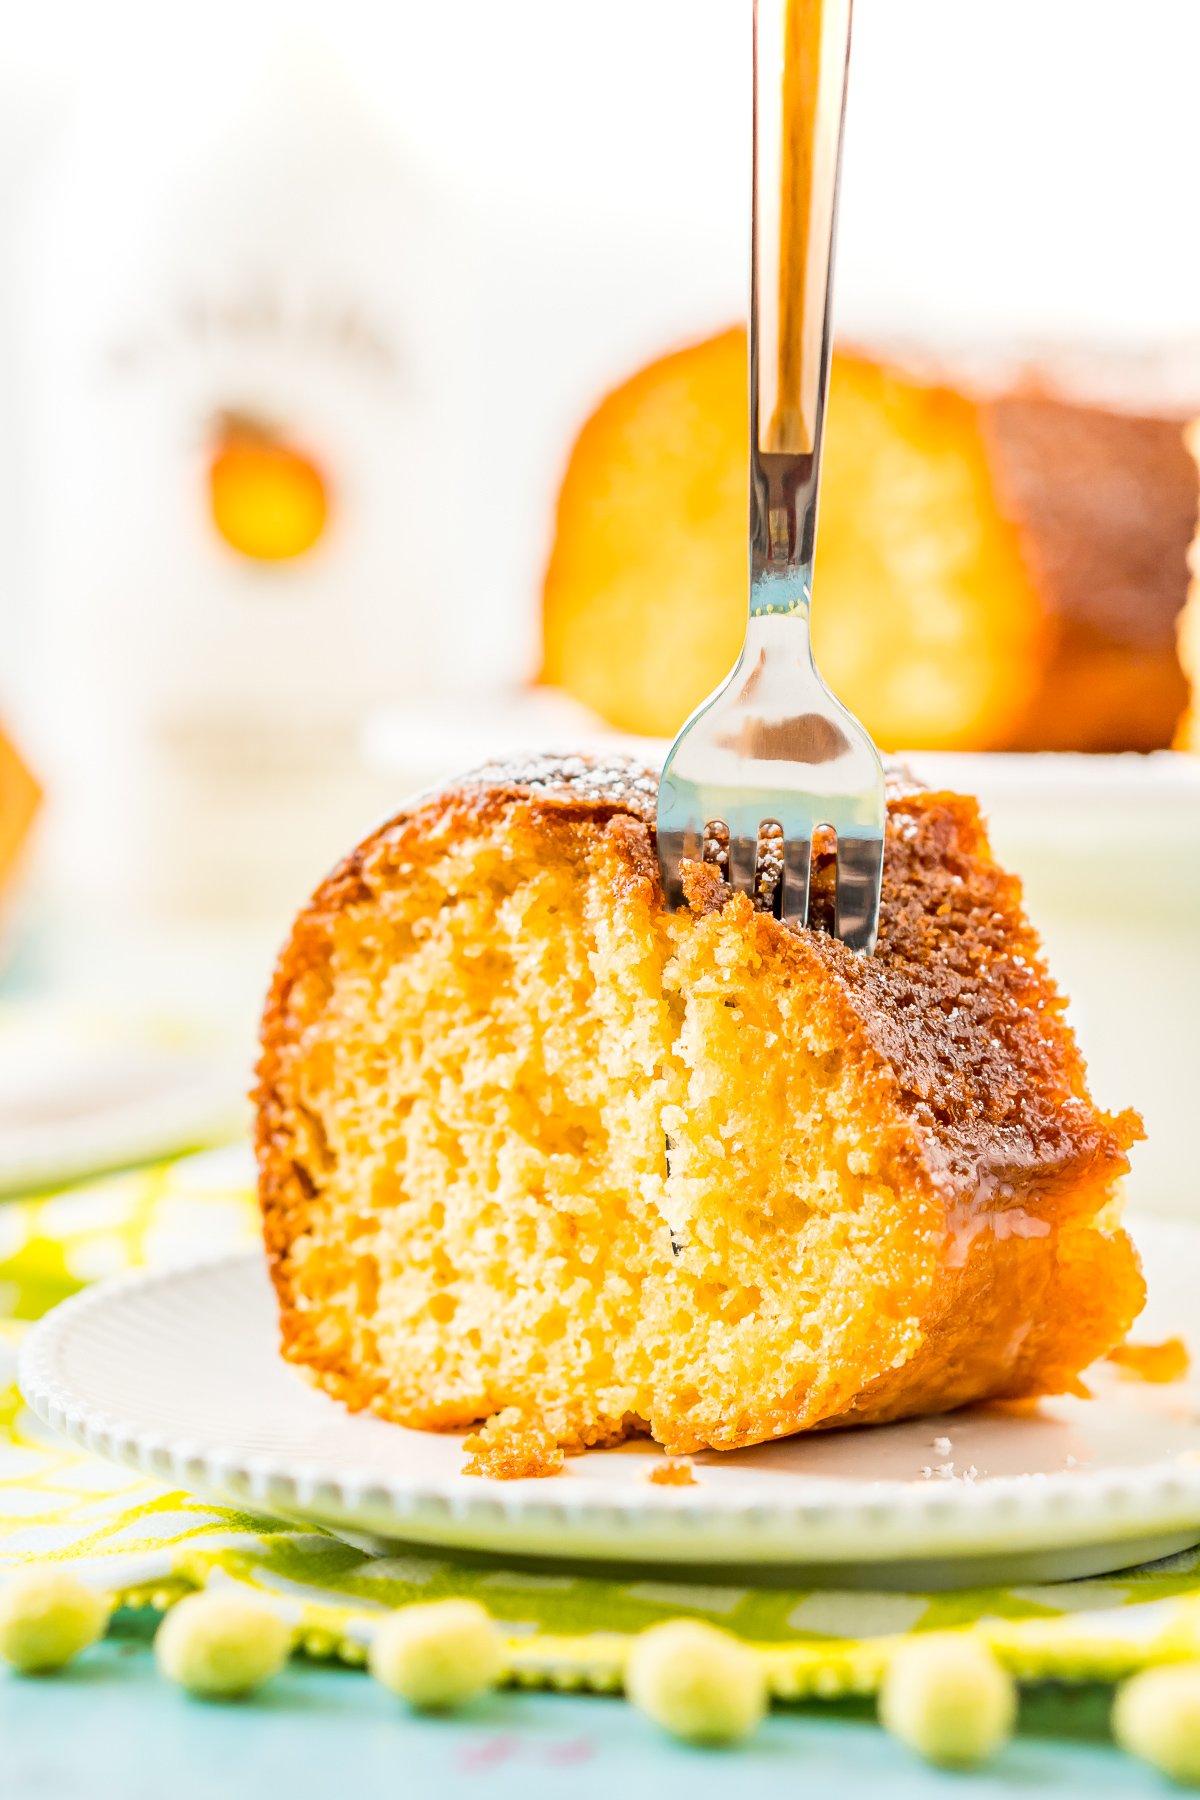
(670, 853)
(743, 856)
(859, 869)
(692, 844)
(797, 863)
(714, 846)
(768, 874)
(675, 847)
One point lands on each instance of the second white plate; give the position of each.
(179, 1374)
(81, 1094)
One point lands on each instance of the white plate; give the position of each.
(178, 1374)
(79, 1095)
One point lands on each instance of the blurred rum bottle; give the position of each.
(244, 320)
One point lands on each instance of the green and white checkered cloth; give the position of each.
(148, 1546)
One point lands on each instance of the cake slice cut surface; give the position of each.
(530, 1144)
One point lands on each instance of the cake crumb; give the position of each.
(672, 1473)
(513, 1446)
(1167, 1361)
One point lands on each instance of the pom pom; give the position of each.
(47, 1616)
(696, 1682)
(947, 1698)
(1156, 1716)
(437, 1655)
(220, 1644)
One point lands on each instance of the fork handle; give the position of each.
(801, 48)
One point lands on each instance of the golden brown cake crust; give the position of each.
(976, 1069)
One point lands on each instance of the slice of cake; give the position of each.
(532, 1145)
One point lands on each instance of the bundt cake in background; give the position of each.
(535, 1150)
(995, 569)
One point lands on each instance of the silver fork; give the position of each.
(772, 755)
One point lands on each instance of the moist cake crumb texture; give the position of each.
(535, 1151)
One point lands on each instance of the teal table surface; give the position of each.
(110, 1729)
